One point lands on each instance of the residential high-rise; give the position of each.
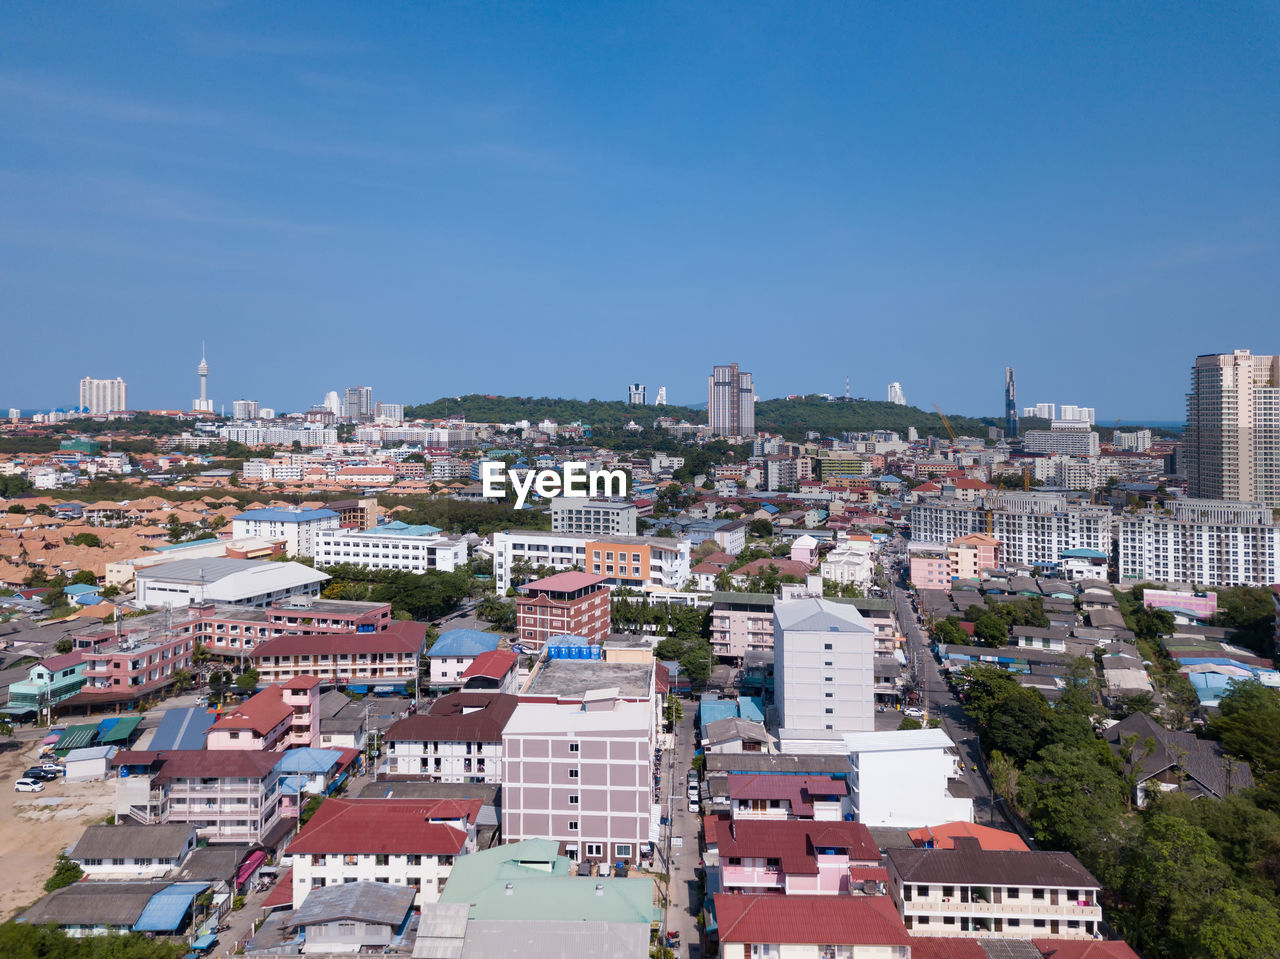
(824, 654)
(1233, 428)
(203, 404)
(103, 396)
(357, 403)
(636, 394)
(661, 398)
(332, 403)
(731, 402)
(244, 409)
(896, 395)
(1010, 404)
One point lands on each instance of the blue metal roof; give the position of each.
(308, 760)
(167, 908)
(1084, 553)
(464, 642)
(182, 729)
(398, 528)
(286, 515)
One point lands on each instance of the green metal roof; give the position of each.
(745, 599)
(76, 737)
(528, 880)
(122, 731)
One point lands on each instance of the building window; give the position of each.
(573, 825)
(623, 850)
(573, 747)
(595, 849)
(573, 774)
(573, 799)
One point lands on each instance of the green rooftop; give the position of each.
(529, 880)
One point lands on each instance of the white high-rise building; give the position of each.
(333, 403)
(661, 398)
(15, 414)
(1201, 541)
(1077, 414)
(1233, 428)
(390, 414)
(244, 409)
(731, 402)
(636, 394)
(103, 396)
(896, 395)
(824, 659)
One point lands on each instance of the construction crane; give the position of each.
(945, 422)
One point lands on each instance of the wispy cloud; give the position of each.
(52, 95)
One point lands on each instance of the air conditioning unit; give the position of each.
(946, 898)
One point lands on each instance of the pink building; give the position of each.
(1186, 606)
(131, 669)
(969, 555)
(279, 717)
(805, 550)
(930, 571)
(791, 857)
(741, 622)
(581, 775)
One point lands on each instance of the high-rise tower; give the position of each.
(1233, 428)
(731, 402)
(896, 395)
(203, 404)
(1010, 404)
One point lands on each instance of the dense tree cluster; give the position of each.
(685, 630)
(1186, 878)
(422, 596)
(47, 942)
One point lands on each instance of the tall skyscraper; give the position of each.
(895, 394)
(357, 403)
(636, 394)
(103, 396)
(661, 398)
(244, 409)
(203, 404)
(731, 401)
(333, 403)
(1010, 404)
(1233, 428)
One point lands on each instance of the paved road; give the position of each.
(940, 702)
(684, 903)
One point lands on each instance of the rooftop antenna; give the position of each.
(846, 389)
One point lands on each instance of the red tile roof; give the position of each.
(1084, 949)
(567, 582)
(493, 664)
(302, 682)
(400, 637)
(944, 836)
(387, 827)
(261, 713)
(837, 920)
(796, 789)
(794, 842)
(946, 947)
(458, 717)
(255, 764)
(282, 893)
(65, 661)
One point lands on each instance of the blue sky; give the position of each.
(561, 199)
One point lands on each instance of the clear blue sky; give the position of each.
(437, 198)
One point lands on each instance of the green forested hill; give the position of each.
(792, 417)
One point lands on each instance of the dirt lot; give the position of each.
(35, 827)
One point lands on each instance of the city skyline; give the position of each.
(1085, 195)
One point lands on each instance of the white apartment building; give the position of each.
(244, 409)
(979, 893)
(902, 778)
(534, 548)
(1233, 428)
(271, 469)
(1032, 527)
(243, 582)
(661, 462)
(403, 842)
(581, 775)
(103, 396)
(1205, 542)
(853, 561)
(1135, 441)
(824, 655)
(599, 517)
(297, 527)
(413, 549)
(1066, 438)
(458, 739)
(278, 435)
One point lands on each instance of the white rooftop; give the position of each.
(819, 616)
(891, 740)
(572, 718)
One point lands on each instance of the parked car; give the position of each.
(693, 790)
(915, 712)
(28, 786)
(43, 775)
(694, 807)
(56, 768)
